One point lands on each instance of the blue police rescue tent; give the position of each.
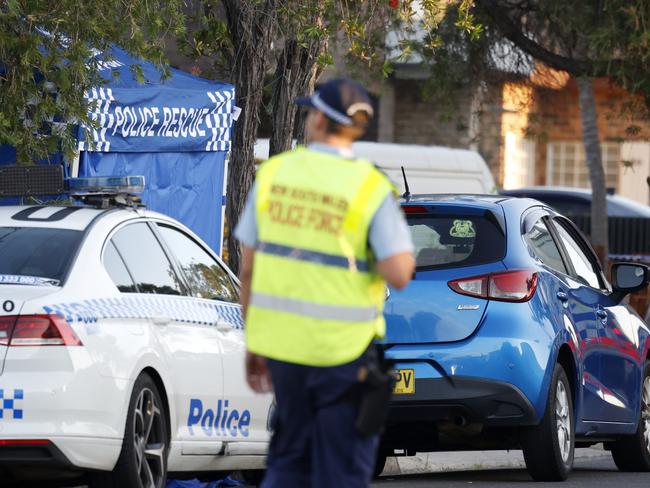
(176, 132)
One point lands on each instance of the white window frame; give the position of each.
(612, 166)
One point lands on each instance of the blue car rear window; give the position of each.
(37, 251)
(455, 241)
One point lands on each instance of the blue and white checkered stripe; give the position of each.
(100, 100)
(219, 120)
(178, 309)
(9, 403)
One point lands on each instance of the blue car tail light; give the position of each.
(509, 286)
(415, 209)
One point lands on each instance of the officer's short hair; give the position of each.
(354, 131)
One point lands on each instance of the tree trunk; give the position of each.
(252, 27)
(294, 76)
(599, 232)
(302, 115)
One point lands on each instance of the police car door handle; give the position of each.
(160, 320)
(223, 326)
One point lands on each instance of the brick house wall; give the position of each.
(490, 138)
(406, 116)
(559, 112)
(420, 121)
(556, 118)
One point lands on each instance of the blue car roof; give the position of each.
(500, 206)
(466, 199)
(492, 203)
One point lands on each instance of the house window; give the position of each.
(567, 165)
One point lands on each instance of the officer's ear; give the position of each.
(321, 122)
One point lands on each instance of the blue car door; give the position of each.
(568, 308)
(614, 378)
(621, 364)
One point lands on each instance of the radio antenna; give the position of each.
(407, 193)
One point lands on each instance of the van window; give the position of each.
(454, 241)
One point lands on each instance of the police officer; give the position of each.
(321, 234)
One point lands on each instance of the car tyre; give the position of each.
(549, 447)
(143, 459)
(632, 453)
(380, 463)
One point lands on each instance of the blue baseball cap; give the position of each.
(339, 99)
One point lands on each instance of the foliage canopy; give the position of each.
(48, 59)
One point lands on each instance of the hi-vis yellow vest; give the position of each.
(316, 299)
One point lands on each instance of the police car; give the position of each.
(121, 346)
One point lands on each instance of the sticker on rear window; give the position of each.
(463, 229)
(27, 280)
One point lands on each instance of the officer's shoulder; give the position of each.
(379, 170)
(385, 180)
(375, 168)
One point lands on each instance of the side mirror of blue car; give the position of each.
(628, 278)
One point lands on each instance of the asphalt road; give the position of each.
(587, 473)
(597, 471)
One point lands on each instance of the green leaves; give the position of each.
(47, 63)
(620, 40)
(467, 21)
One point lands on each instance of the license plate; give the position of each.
(404, 382)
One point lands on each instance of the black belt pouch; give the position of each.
(374, 393)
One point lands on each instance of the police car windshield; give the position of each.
(454, 241)
(36, 255)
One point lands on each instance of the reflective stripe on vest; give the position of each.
(350, 263)
(314, 310)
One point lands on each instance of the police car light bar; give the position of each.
(26, 181)
(107, 191)
(105, 185)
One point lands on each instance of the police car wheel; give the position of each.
(632, 453)
(143, 459)
(549, 446)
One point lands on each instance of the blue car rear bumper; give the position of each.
(464, 400)
(498, 376)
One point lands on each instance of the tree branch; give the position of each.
(513, 32)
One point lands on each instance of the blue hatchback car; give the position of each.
(510, 336)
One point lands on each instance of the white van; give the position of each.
(429, 169)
